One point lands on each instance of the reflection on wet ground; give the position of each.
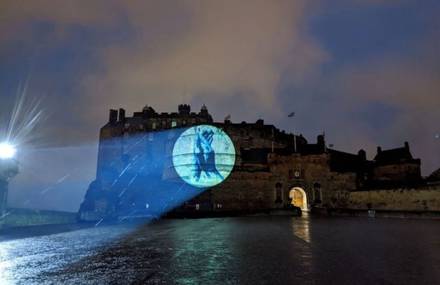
(249, 250)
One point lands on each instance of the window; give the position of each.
(278, 197)
(153, 125)
(317, 193)
(173, 123)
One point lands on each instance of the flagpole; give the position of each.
(294, 142)
(272, 140)
(291, 115)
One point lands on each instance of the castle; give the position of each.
(273, 169)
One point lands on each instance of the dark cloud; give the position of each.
(172, 48)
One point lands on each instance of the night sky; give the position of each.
(366, 73)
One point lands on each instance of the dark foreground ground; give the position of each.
(249, 250)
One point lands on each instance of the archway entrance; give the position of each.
(299, 198)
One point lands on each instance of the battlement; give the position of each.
(184, 109)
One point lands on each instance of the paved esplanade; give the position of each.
(251, 250)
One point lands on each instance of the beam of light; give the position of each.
(135, 178)
(134, 172)
(53, 178)
(131, 173)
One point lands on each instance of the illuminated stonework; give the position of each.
(151, 163)
(203, 156)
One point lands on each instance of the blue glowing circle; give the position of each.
(203, 156)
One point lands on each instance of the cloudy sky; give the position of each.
(367, 72)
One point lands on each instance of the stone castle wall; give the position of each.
(27, 217)
(245, 190)
(321, 185)
(397, 172)
(267, 168)
(420, 199)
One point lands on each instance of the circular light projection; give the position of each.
(203, 156)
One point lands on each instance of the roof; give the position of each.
(435, 176)
(345, 162)
(394, 156)
(306, 149)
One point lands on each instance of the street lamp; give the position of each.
(8, 169)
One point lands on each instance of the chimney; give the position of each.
(121, 115)
(379, 149)
(113, 116)
(407, 145)
(362, 155)
(320, 140)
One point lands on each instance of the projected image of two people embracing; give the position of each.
(204, 155)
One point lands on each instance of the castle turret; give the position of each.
(184, 109)
(362, 155)
(113, 116)
(321, 143)
(121, 115)
(204, 110)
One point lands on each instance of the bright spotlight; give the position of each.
(7, 150)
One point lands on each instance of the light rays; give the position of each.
(25, 115)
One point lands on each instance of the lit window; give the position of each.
(173, 124)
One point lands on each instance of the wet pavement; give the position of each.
(248, 250)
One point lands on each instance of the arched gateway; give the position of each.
(299, 198)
